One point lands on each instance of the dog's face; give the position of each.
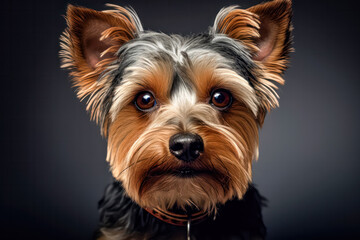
(181, 114)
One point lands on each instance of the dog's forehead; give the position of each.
(181, 53)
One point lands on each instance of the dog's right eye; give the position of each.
(145, 101)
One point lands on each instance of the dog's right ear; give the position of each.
(90, 43)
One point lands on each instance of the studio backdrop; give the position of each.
(53, 169)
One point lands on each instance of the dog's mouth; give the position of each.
(183, 172)
(188, 172)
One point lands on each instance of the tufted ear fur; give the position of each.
(265, 30)
(90, 43)
(274, 42)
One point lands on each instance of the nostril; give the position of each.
(176, 147)
(196, 147)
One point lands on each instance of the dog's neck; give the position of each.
(121, 215)
(178, 217)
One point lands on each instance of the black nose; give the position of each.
(186, 146)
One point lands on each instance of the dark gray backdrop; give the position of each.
(53, 168)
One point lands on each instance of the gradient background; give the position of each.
(53, 168)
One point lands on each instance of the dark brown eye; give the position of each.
(145, 101)
(221, 99)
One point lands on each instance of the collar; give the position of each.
(180, 218)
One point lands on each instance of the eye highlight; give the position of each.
(145, 101)
(221, 99)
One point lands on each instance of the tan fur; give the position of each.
(269, 25)
(113, 28)
(153, 76)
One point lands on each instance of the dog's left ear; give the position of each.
(265, 30)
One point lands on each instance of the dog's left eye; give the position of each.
(221, 99)
(145, 101)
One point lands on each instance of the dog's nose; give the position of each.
(186, 146)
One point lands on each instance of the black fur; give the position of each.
(236, 220)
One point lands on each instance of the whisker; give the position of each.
(147, 177)
(132, 165)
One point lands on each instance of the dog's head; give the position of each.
(181, 114)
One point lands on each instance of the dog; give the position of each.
(181, 115)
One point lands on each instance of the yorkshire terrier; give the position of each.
(181, 116)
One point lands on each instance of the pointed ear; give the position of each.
(90, 43)
(265, 29)
(93, 37)
(275, 41)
